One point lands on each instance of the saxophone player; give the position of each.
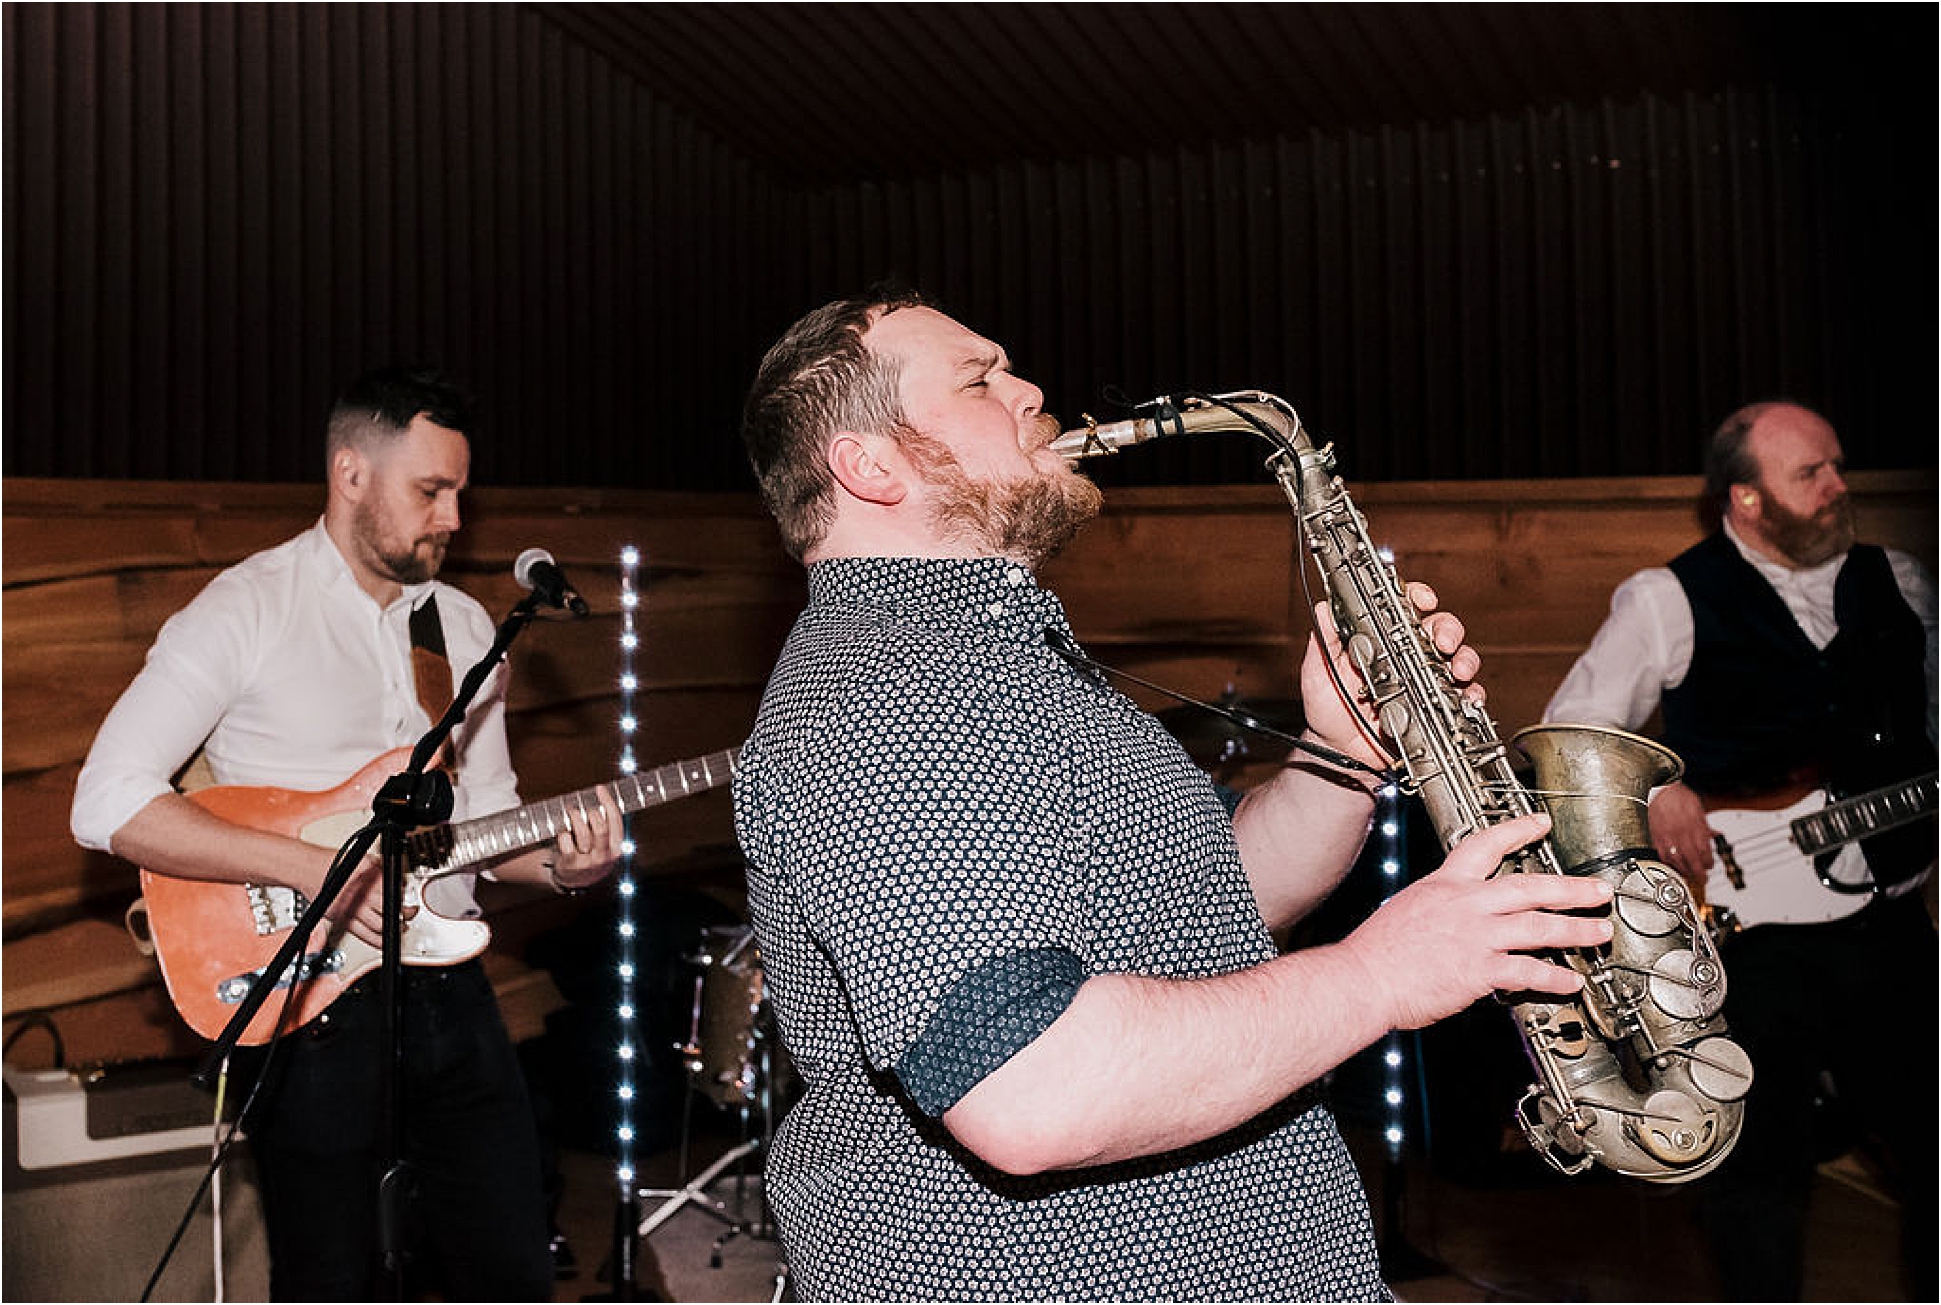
(1778, 648)
(1017, 945)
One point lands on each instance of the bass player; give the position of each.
(1786, 657)
(291, 670)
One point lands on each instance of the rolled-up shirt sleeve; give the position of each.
(943, 884)
(199, 661)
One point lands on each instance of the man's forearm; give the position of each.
(1298, 836)
(1137, 1066)
(173, 836)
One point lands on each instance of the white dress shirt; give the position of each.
(1645, 646)
(289, 675)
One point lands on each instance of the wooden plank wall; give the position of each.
(1195, 588)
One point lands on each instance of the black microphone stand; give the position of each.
(412, 798)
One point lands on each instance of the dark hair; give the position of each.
(383, 404)
(1727, 460)
(819, 378)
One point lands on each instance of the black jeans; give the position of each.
(474, 1224)
(1855, 1000)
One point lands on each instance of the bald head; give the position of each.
(1776, 469)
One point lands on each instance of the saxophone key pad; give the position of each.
(1687, 986)
(1650, 905)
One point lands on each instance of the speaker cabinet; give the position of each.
(98, 1175)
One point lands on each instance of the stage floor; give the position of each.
(1524, 1235)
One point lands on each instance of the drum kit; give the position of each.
(733, 1055)
(733, 1058)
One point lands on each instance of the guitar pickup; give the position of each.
(231, 991)
(273, 908)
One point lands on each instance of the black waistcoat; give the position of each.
(1761, 706)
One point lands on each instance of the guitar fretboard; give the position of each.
(447, 847)
(1868, 814)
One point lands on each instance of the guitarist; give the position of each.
(294, 669)
(1778, 648)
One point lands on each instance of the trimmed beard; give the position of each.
(1809, 540)
(418, 562)
(1029, 519)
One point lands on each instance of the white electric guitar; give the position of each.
(1802, 864)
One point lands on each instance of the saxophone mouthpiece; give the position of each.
(1097, 439)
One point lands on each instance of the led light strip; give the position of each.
(628, 1041)
(1389, 828)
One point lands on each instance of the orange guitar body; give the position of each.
(213, 938)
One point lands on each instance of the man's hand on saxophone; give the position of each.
(1281, 838)
(1349, 724)
(1457, 935)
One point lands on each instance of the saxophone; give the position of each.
(1635, 1071)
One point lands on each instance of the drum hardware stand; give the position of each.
(753, 1089)
(695, 1192)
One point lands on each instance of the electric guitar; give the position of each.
(1802, 864)
(214, 939)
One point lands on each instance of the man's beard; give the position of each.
(413, 564)
(1809, 540)
(1029, 519)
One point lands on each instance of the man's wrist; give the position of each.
(560, 886)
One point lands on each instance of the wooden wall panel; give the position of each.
(1195, 589)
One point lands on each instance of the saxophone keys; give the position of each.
(1674, 1129)
(1687, 986)
(1720, 1069)
(1651, 904)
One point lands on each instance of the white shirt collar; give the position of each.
(324, 553)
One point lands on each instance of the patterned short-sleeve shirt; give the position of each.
(948, 829)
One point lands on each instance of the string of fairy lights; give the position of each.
(1391, 849)
(628, 1043)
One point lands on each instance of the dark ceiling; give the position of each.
(833, 94)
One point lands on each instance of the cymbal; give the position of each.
(1212, 739)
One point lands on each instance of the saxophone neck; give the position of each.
(1249, 412)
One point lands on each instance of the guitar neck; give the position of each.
(1865, 815)
(468, 842)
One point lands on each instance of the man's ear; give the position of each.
(350, 472)
(870, 468)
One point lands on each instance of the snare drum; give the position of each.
(730, 1027)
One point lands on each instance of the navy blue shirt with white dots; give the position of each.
(949, 828)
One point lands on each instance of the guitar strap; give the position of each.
(431, 669)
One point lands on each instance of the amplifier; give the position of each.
(100, 1166)
(69, 1117)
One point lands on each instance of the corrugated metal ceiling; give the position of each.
(832, 94)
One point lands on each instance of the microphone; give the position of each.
(537, 572)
